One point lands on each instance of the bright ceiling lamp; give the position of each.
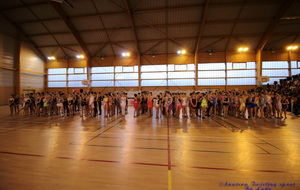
(51, 58)
(127, 54)
(80, 56)
(292, 48)
(181, 52)
(243, 49)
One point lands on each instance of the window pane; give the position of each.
(239, 65)
(57, 71)
(211, 66)
(127, 76)
(102, 70)
(158, 75)
(241, 81)
(136, 69)
(275, 64)
(128, 69)
(79, 70)
(241, 73)
(229, 65)
(295, 71)
(57, 84)
(272, 80)
(211, 74)
(181, 82)
(102, 83)
(102, 76)
(298, 64)
(283, 72)
(294, 64)
(77, 77)
(154, 83)
(57, 77)
(127, 83)
(75, 84)
(118, 69)
(180, 67)
(251, 65)
(211, 82)
(181, 74)
(171, 67)
(191, 67)
(149, 68)
(70, 70)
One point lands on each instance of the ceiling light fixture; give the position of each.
(51, 58)
(127, 54)
(243, 49)
(181, 52)
(292, 47)
(80, 56)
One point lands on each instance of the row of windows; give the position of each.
(183, 67)
(209, 74)
(174, 82)
(170, 75)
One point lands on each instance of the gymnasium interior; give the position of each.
(135, 46)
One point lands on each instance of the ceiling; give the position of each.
(110, 27)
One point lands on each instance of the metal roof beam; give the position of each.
(211, 44)
(108, 38)
(59, 10)
(167, 35)
(112, 49)
(167, 25)
(41, 55)
(268, 33)
(22, 6)
(133, 28)
(204, 11)
(252, 2)
(183, 38)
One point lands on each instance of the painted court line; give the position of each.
(146, 164)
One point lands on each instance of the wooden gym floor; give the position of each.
(147, 153)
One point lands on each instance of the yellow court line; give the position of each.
(169, 180)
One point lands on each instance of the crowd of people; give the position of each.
(269, 102)
(67, 104)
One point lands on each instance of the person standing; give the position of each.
(150, 104)
(136, 105)
(99, 102)
(91, 104)
(123, 103)
(11, 101)
(16, 103)
(95, 104)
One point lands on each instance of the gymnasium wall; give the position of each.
(7, 70)
(32, 70)
(15, 52)
(216, 57)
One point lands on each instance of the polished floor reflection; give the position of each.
(147, 153)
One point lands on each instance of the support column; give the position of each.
(258, 66)
(88, 70)
(139, 71)
(114, 73)
(67, 75)
(225, 71)
(18, 65)
(290, 63)
(196, 71)
(45, 77)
